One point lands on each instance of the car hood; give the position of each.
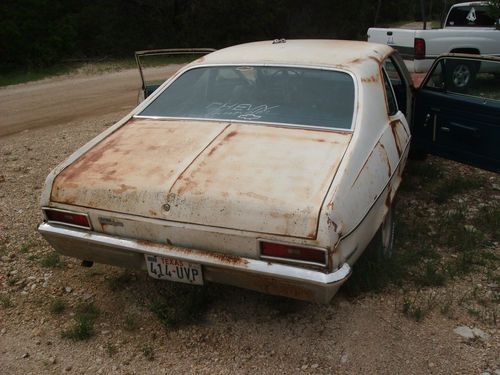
(249, 177)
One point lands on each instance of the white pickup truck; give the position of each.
(468, 29)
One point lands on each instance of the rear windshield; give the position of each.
(285, 95)
(473, 16)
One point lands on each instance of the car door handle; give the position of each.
(471, 129)
(445, 129)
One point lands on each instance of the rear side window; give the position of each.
(472, 16)
(392, 106)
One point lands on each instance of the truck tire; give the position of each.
(460, 75)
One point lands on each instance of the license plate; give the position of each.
(174, 270)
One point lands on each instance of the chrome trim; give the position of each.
(44, 209)
(293, 261)
(253, 122)
(247, 265)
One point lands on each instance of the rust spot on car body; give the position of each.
(386, 158)
(395, 124)
(178, 251)
(370, 79)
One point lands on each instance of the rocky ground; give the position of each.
(435, 311)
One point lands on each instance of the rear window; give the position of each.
(473, 16)
(287, 95)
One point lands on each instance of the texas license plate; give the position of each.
(174, 270)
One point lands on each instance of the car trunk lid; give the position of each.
(249, 177)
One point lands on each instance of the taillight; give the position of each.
(293, 253)
(67, 217)
(419, 48)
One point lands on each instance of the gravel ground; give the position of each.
(236, 331)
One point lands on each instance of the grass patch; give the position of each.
(51, 260)
(148, 352)
(57, 306)
(6, 302)
(120, 281)
(488, 220)
(24, 248)
(431, 276)
(83, 327)
(179, 304)
(130, 323)
(111, 349)
(412, 310)
(457, 184)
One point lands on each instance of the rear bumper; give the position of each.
(263, 276)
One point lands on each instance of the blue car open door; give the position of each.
(457, 111)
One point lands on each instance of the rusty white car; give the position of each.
(269, 166)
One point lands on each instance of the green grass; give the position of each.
(5, 302)
(83, 327)
(179, 304)
(120, 281)
(412, 310)
(449, 187)
(148, 352)
(130, 323)
(51, 260)
(111, 349)
(57, 306)
(24, 248)
(488, 221)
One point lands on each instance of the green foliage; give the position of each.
(179, 304)
(148, 352)
(38, 33)
(5, 301)
(57, 306)
(83, 327)
(120, 281)
(51, 260)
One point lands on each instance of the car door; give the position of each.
(457, 111)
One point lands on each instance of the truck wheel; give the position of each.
(460, 75)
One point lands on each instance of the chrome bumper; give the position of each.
(264, 276)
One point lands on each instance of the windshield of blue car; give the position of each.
(270, 94)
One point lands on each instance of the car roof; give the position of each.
(345, 54)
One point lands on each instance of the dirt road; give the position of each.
(65, 99)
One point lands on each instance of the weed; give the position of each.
(6, 302)
(412, 310)
(12, 280)
(57, 306)
(431, 276)
(456, 184)
(119, 281)
(83, 328)
(148, 352)
(32, 257)
(189, 302)
(130, 323)
(488, 220)
(24, 248)
(111, 349)
(473, 312)
(51, 260)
